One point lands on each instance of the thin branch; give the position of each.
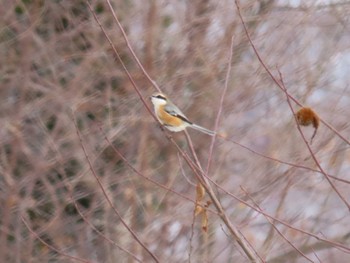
(50, 246)
(281, 161)
(203, 179)
(223, 95)
(146, 177)
(135, 236)
(130, 48)
(306, 248)
(190, 144)
(335, 244)
(183, 172)
(275, 227)
(121, 62)
(101, 234)
(238, 236)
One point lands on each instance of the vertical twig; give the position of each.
(229, 65)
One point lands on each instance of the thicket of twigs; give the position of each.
(87, 175)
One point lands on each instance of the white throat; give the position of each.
(158, 102)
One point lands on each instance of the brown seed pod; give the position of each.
(307, 116)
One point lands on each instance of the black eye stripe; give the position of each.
(159, 97)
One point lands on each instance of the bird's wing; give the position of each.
(176, 112)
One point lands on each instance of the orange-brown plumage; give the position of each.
(307, 116)
(165, 117)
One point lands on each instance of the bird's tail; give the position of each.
(202, 129)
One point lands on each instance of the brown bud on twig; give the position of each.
(307, 116)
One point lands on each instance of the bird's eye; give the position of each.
(160, 97)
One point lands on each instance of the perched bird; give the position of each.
(307, 116)
(171, 116)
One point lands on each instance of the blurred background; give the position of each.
(59, 75)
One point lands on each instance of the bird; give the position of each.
(172, 117)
